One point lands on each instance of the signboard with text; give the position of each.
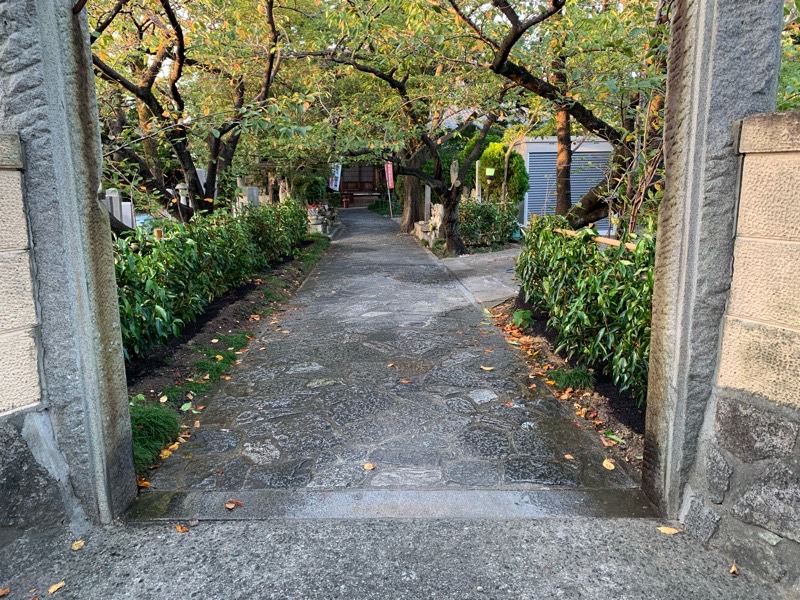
(389, 168)
(336, 177)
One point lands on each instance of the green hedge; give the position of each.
(165, 284)
(598, 298)
(486, 224)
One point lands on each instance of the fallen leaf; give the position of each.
(550, 382)
(569, 457)
(219, 357)
(190, 396)
(142, 482)
(55, 587)
(77, 545)
(206, 376)
(369, 467)
(214, 341)
(254, 317)
(226, 377)
(564, 396)
(163, 399)
(608, 443)
(173, 447)
(5, 592)
(196, 424)
(508, 403)
(233, 503)
(181, 528)
(165, 454)
(487, 368)
(405, 381)
(609, 464)
(734, 570)
(668, 530)
(581, 412)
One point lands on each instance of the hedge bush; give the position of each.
(163, 285)
(486, 224)
(598, 298)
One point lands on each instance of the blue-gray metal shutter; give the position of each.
(588, 169)
(541, 199)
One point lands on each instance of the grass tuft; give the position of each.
(153, 427)
(579, 378)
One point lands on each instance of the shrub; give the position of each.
(517, 185)
(484, 224)
(164, 284)
(598, 298)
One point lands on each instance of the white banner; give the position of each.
(336, 177)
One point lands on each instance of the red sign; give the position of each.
(389, 168)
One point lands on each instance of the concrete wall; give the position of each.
(744, 495)
(67, 457)
(19, 361)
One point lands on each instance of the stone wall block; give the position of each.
(770, 132)
(14, 227)
(751, 433)
(29, 494)
(701, 521)
(766, 282)
(762, 360)
(18, 366)
(718, 475)
(769, 206)
(16, 292)
(773, 501)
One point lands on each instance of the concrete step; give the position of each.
(260, 505)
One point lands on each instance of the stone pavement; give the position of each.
(381, 359)
(471, 496)
(488, 277)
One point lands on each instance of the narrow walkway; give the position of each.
(471, 496)
(381, 359)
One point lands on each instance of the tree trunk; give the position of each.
(452, 235)
(563, 163)
(414, 205)
(563, 141)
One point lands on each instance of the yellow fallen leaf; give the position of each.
(55, 587)
(165, 454)
(163, 399)
(569, 457)
(219, 357)
(5, 592)
(487, 368)
(609, 464)
(206, 376)
(226, 377)
(668, 530)
(181, 528)
(734, 570)
(174, 447)
(77, 545)
(196, 424)
(405, 381)
(190, 396)
(369, 467)
(233, 503)
(550, 382)
(142, 482)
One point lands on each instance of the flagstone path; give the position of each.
(381, 359)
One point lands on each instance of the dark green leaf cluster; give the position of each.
(163, 284)
(598, 298)
(486, 224)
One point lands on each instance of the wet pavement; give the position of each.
(380, 358)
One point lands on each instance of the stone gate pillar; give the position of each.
(723, 66)
(66, 442)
